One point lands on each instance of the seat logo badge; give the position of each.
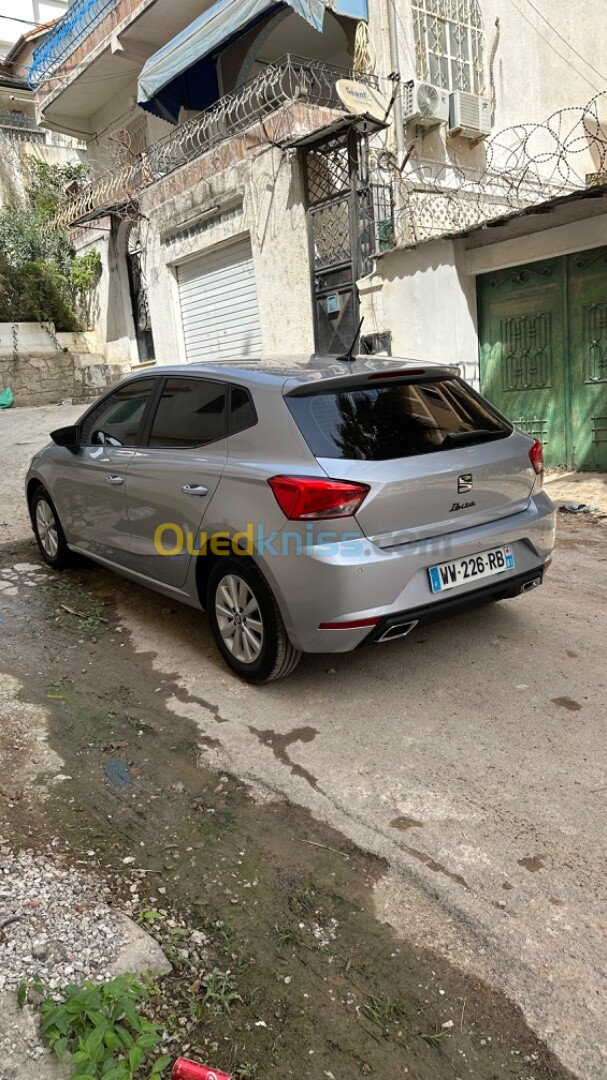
(464, 483)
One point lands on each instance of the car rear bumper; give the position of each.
(400, 624)
(338, 586)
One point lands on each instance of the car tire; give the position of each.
(48, 532)
(247, 624)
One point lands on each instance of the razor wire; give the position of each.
(520, 167)
(458, 188)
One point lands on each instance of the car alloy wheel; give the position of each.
(246, 622)
(239, 619)
(46, 528)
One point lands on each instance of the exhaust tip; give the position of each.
(399, 630)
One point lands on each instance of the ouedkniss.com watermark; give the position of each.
(171, 540)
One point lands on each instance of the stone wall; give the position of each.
(40, 372)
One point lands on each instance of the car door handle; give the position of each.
(195, 489)
(111, 479)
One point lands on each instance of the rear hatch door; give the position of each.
(436, 456)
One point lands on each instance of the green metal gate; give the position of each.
(543, 352)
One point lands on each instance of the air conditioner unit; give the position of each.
(425, 104)
(469, 115)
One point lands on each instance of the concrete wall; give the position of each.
(110, 308)
(427, 301)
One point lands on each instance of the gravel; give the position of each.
(62, 932)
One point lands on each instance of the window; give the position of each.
(449, 43)
(380, 423)
(191, 412)
(242, 410)
(117, 420)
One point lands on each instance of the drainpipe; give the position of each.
(395, 63)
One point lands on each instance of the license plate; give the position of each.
(449, 575)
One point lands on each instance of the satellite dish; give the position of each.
(362, 100)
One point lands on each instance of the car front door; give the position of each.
(172, 479)
(92, 481)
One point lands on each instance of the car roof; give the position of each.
(299, 371)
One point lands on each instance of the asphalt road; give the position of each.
(472, 756)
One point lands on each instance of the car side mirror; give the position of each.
(66, 436)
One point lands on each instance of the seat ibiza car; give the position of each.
(309, 508)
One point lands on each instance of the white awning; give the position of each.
(165, 81)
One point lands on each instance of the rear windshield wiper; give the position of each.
(460, 438)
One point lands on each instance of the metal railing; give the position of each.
(82, 17)
(17, 120)
(290, 81)
(21, 128)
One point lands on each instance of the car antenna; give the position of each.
(348, 357)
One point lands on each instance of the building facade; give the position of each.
(263, 175)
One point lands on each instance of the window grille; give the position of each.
(449, 44)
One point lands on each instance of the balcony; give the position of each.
(289, 101)
(82, 17)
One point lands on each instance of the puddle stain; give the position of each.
(278, 744)
(405, 823)
(185, 698)
(566, 703)
(532, 863)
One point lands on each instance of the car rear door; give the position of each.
(91, 483)
(171, 480)
(436, 456)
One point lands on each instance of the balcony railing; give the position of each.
(21, 128)
(290, 81)
(82, 17)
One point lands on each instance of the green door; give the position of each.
(543, 353)
(587, 275)
(523, 350)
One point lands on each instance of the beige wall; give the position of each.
(262, 198)
(428, 303)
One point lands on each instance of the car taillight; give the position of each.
(536, 457)
(310, 498)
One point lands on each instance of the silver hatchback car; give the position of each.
(309, 508)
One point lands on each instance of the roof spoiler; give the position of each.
(296, 388)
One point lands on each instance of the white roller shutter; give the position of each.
(219, 308)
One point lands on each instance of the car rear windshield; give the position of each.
(396, 420)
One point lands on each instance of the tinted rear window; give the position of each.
(394, 421)
(242, 410)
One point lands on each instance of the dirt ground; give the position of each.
(320, 926)
(285, 903)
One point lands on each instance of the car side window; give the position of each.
(242, 410)
(117, 421)
(191, 412)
